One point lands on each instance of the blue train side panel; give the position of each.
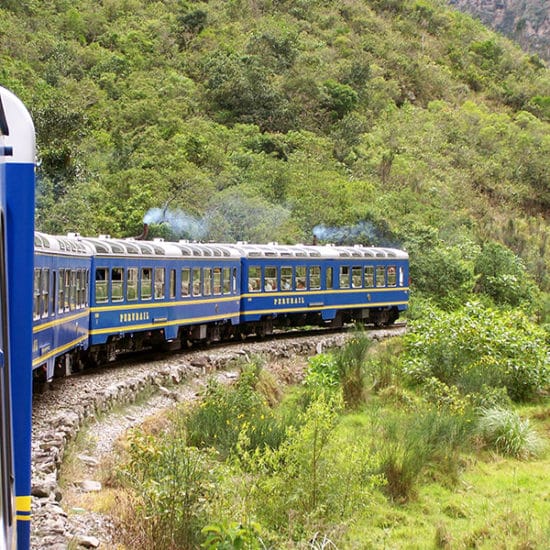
(17, 176)
(300, 284)
(60, 305)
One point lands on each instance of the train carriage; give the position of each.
(60, 304)
(318, 285)
(159, 294)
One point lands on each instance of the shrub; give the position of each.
(172, 484)
(477, 347)
(350, 363)
(218, 420)
(505, 432)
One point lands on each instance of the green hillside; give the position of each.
(402, 121)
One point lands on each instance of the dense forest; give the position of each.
(382, 122)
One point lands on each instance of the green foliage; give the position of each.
(504, 431)
(476, 348)
(503, 277)
(231, 536)
(224, 412)
(172, 483)
(351, 363)
(322, 373)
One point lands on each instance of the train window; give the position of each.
(270, 279)
(369, 276)
(207, 281)
(117, 284)
(101, 294)
(356, 279)
(301, 277)
(80, 289)
(286, 278)
(37, 293)
(185, 281)
(329, 278)
(197, 287)
(401, 276)
(380, 275)
(254, 278)
(45, 292)
(72, 293)
(344, 276)
(234, 281)
(146, 283)
(67, 289)
(61, 292)
(132, 284)
(226, 280)
(314, 277)
(392, 276)
(54, 291)
(217, 280)
(172, 284)
(160, 277)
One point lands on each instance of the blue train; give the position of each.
(17, 166)
(95, 298)
(69, 301)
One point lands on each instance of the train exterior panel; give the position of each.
(322, 284)
(17, 183)
(60, 304)
(152, 293)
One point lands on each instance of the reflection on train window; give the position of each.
(185, 281)
(270, 279)
(132, 284)
(37, 293)
(315, 277)
(172, 284)
(72, 287)
(392, 276)
(344, 276)
(217, 274)
(67, 289)
(146, 283)
(330, 278)
(301, 277)
(356, 281)
(254, 278)
(369, 276)
(117, 284)
(380, 276)
(160, 278)
(45, 292)
(226, 280)
(197, 287)
(286, 278)
(401, 276)
(207, 281)
(101, 282)
(234, 281)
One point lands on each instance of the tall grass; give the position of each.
(504, 431)
(411, 445)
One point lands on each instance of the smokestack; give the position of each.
(314, 242)
(143, 235)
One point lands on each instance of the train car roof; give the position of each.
(61, 244)
(107, 246)
(275, 250)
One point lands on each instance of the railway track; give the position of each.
(168, 377)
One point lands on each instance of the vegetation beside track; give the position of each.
(361, 454)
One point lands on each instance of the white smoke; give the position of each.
(182, 225)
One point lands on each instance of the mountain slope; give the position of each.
(261, 120)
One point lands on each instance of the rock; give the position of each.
(87, 541)
(89, 486)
